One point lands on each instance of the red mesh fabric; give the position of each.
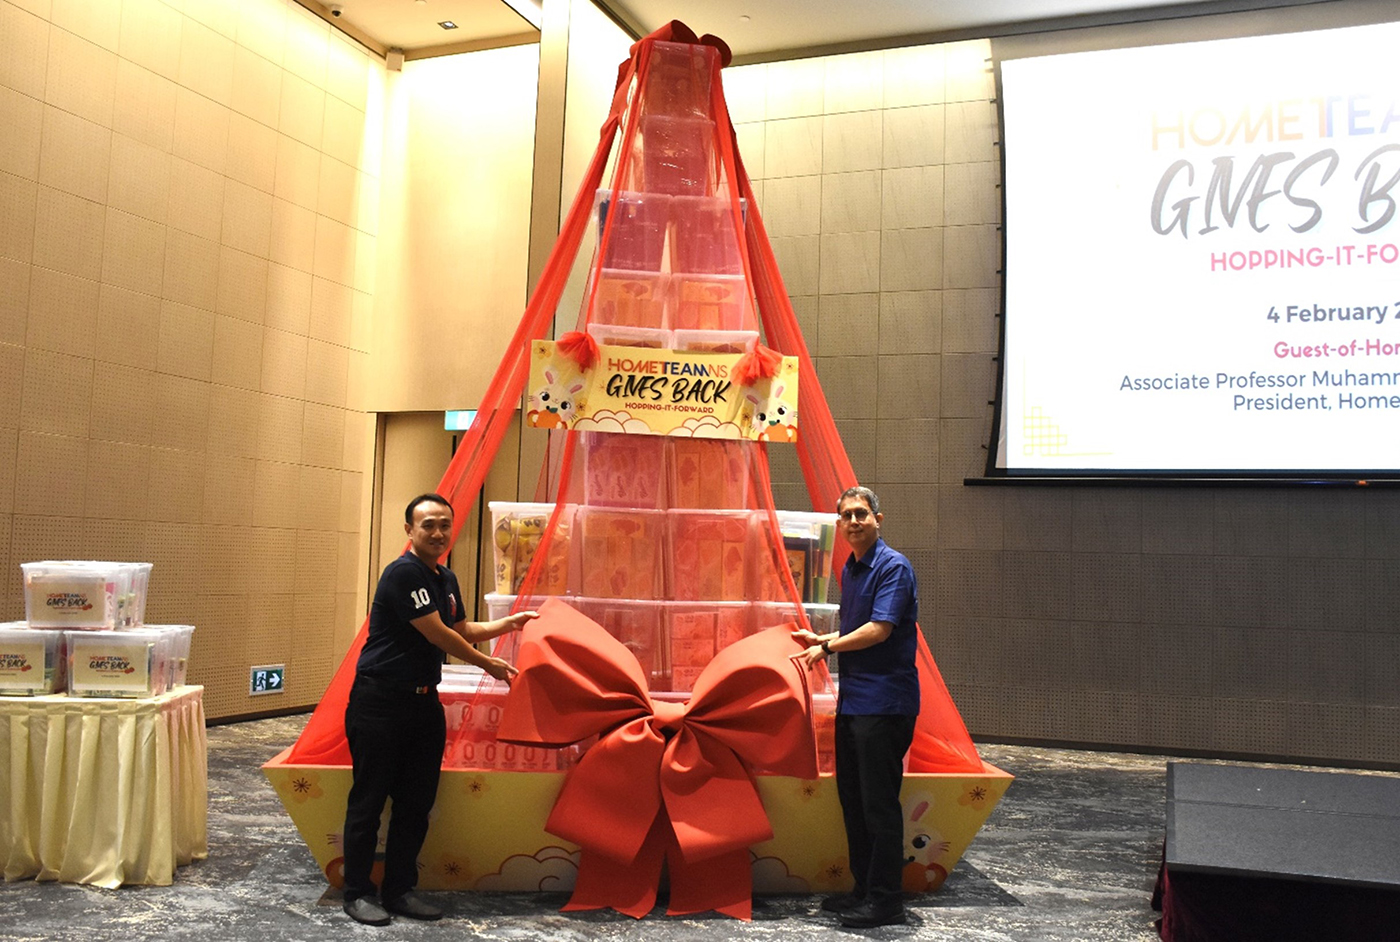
(941, 742)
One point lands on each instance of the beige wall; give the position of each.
(455, 227)
(187, 218)
(1260, 621)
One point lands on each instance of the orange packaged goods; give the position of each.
(517, 530)
(710, 302)
(619, 553)
(697, 631)
(631, 298)
(708, 473)
(624, 470)
(708, 552)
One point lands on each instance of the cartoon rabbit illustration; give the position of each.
(555, 404)
(774, 418)
(924, 847)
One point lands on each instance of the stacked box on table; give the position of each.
(125, 663)
(619, 553)
(174, 651)
(85, 593)
(708, 554)
(33, 661)
(517, 532)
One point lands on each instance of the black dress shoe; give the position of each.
(414, 908)
(366, 909)
(842, 902)
(869, 915)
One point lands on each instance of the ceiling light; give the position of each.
(448, 24)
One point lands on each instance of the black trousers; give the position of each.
(869, 770)
(396, 741)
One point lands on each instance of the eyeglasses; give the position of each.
(858, 514)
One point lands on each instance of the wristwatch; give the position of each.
(826, 646)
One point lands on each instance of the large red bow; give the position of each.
(667, 781)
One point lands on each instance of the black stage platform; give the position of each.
(1279, 854)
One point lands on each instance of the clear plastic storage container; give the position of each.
(85, 594)
(638, 625)
(32, 660)
(517, 530)
(708, 473)
(676, 155)
(619, 553)
(809, 543)
(174, 651)
(638, 237)
(630, 299)
(703, 237)
(624, 470)
(708, 554)
(699, 301)
(63, 594)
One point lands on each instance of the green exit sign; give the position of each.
(269, 678)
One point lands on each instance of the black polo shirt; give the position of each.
(395, 650)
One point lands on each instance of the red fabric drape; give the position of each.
(941, 741)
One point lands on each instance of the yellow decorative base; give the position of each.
(487, 830)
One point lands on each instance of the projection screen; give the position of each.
(1203, 258)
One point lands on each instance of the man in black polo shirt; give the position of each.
(394, 721)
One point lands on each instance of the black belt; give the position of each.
(398, 686)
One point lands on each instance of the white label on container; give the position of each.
(22, 665)
(116, 666)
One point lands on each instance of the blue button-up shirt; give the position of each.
(883, 678)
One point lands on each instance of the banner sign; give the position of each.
(650, 391)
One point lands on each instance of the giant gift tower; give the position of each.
(656, 525)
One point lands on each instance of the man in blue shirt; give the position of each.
(875, 710)
(394, 721)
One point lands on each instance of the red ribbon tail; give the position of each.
(723, 883)
(629, 888)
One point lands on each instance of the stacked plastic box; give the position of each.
(84, 633)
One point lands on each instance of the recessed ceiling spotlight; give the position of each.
(448, 24)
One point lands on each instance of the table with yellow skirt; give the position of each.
(103, 791)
